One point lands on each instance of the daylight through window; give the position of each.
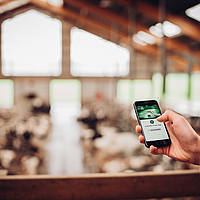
(31, 45)
(93, 56)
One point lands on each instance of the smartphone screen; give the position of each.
(155, 132)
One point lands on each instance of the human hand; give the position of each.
(185, 142)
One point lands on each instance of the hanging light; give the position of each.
(138, 41)
(194, 12)
(169, 29)
(143, 38)
(156, 30)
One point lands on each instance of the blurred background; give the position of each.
(71, 70)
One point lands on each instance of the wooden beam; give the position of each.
(103, 13)
(125, 3)
(141, 185)
(11, 5)
(3, 2)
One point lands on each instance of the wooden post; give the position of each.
(163, 44)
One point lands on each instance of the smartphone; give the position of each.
(154, 132)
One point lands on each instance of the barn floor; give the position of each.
(63, 152)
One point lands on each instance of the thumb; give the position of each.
(168, 115)
(161, 118)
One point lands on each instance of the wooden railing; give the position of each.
(141, 185)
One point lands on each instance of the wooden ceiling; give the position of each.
(118, 20)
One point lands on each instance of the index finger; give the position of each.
(138, 129)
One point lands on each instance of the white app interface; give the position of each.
(154, 130)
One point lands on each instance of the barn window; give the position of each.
(65, 91)
(130, 90)
(176, 87)
(31, 45)
(195, 85)
(7, 93)
(93, 56)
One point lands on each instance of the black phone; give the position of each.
(154, 132)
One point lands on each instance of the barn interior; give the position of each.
(70, 72)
